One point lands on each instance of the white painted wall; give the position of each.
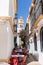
(6, 8)
(11, 8)
(31, 45)
(38, 46)
(6, 40)
(29, 27)
(19, 29)
(41, 58)
(40, 24)
(31, 48)
(10, 40)
(38, 52)
(18, 40)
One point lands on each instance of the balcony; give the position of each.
(36, 12)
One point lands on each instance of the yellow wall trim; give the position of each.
(15, 33)
(36, 22)
(9, 19)
(4, 60)
(33, 1)
(33, 27)
(31, 8)
(15, 5)
(38, 19)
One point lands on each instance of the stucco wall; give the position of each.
(11, 8)
(40, 59)
(7, 8)
(4, 7)
(6, 40)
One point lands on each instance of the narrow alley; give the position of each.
(21, 32)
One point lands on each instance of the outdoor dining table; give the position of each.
(17, 55)
(17, 58)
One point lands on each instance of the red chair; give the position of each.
(23, 58)
(14, 60)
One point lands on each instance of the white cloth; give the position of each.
(18, 55)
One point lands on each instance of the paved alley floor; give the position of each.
(31, 59)
(33, 63)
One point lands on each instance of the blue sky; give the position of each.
(23, 8)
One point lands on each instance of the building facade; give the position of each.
(7, 13)
(15, 28)
(27, 32)
(36, 29)
(20, 27)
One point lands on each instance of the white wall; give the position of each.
(6, 40)
(11, 8)
(4, 7)
(7, 8)
(31, 48)
(29, 27)
(31, 45)
(18, 40)
(10, 39)
(40, 24)
(41, 58)
(38, 52)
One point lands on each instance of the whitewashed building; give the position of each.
(36, 29)
(20, 27)
(7, 13)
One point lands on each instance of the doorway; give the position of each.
(41, 38)
(35, 41)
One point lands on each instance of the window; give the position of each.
(42, 8)
(35, 41)
(41, 38)
(20, 20)
(15, 40)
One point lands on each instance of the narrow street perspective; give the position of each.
(21, 32)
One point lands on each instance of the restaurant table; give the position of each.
(17, 55)
(17, 58)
